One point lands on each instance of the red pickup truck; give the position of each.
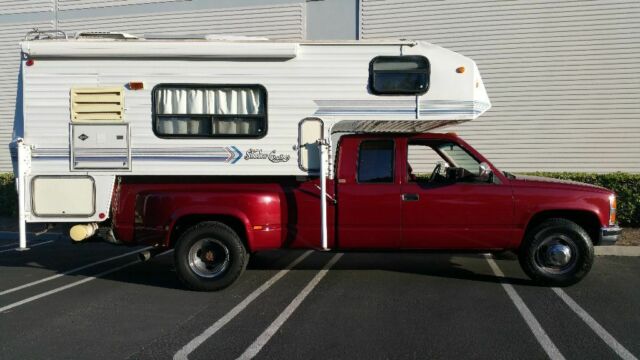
(390, 192)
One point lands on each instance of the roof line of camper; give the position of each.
(305, 42)
(206, 49)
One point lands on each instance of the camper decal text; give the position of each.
(258, 154)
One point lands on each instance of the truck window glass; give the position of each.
(210, 111)
(460, 157)
(398, 75)
(421, 161)
(375, 161)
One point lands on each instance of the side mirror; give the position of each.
(484, 170)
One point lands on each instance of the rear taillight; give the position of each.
(613, 208)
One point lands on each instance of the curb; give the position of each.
(617, 250)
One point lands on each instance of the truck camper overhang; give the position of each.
(389, 126)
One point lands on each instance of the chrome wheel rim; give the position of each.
(556, 254)
(208, 258)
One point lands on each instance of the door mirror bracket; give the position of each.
(484, 171)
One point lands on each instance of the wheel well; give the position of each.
(186, 222)
(587, 220)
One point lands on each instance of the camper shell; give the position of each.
(103, 105)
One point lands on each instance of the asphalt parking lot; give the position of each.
(64, 301)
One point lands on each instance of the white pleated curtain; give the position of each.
(222, 101)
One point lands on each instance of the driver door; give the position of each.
(441, 213)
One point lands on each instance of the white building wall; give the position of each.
(25, 6)
(9, 71)
(89, 4)
(563, 77)
(275, 21)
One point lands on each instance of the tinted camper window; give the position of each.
(210, 111)
(399, 75)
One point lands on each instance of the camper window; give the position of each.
(204, 111)
(399, 75)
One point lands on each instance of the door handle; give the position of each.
(410, 197)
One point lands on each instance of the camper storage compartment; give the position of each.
(63, 196)
(100, 146)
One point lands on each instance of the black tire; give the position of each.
(553, 237)
(209, 256)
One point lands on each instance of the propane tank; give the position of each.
(82, 231)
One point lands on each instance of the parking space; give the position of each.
(99, 301)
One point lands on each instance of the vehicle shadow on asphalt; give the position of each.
(437, 264)
(160, 271)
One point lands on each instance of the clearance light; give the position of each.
(135, 85)
(613, 209)
(265, 227)
(460, 70)
(29, 62)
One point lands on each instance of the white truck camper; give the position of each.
(100, 107)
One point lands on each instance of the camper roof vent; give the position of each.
(97, 104)
(104, 35)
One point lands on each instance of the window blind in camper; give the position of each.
(206, 111)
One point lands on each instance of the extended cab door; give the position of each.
(369, 206)
(447, 204)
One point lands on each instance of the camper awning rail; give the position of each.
(159, 49)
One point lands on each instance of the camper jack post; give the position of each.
(322, 147)
(23, 153)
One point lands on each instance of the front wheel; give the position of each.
(209, 256)
(557, 252)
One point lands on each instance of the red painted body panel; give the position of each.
(149, 207)
(455, 216)
(533, 197)
(369, 215)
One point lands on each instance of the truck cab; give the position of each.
(423, 191)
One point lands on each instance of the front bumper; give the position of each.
(609, 235)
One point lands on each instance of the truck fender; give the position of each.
(210, 210)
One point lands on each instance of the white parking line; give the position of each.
(549, 347)
(30, 246)
(264, 338)
(198, 340)
(65, 287)
(17, 243)
(73, 284)
(595, 326)
(71, 271)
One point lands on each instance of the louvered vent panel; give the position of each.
(96, 104)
